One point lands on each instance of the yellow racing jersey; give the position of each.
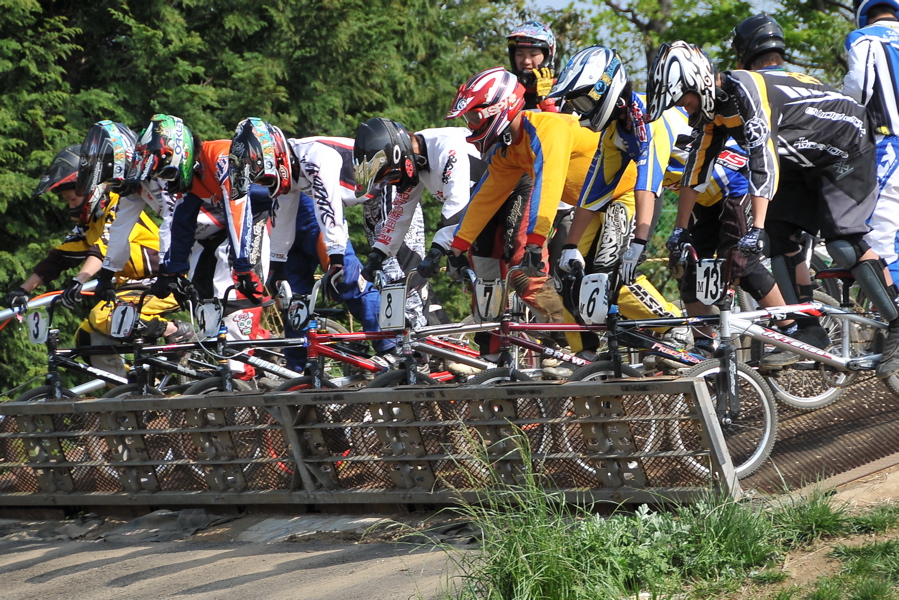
(91, 239)
(555, 151)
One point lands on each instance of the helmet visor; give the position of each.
(582, 104)
(474, 119)
(366, 173)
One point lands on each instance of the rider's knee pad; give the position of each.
(614, 238)
(758, 283)
(869, 275)
(785, 275)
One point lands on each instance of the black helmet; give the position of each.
(62, 172)
(756, 36)
(106, 158)
(383, 153)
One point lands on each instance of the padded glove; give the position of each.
(334, 277)
(275, 275)
(248, 284)
(456, 266)
(679, 237)
(430, 265)
(165, 285)
(570, 254)
(545, 80)
(753, 242)
(374, 264)
(71, 296)
(18, 298)
(633, 257)
(532, 264)
(105, 290)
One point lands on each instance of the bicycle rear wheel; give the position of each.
(45, 393)
(751, 435)
(807, 385)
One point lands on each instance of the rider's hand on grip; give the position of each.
(71, 296)
(275, 275)
(334, 278)
(18, 298)
(532, 264)
(374, 264)
(571, 256)
(456, 266)
(679, 236)
(632, 257)
(430, 265)
(248, 284)
(105, 290)
(753, 242)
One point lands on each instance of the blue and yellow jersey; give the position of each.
(648, 146)
(555, 151)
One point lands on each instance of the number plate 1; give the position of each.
(122, 321)
(593, 301)
(38, 324)
(393, 306)
(489, 294)
(709, 284)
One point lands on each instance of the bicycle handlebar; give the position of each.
(40, 301)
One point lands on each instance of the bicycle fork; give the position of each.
(727, 396)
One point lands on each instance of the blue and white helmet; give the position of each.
(863, 6)
(592, 83)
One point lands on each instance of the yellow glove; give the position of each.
(545, 79)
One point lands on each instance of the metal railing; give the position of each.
(622, 441)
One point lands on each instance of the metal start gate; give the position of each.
(620, 441)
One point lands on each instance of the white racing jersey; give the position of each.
(453, 167)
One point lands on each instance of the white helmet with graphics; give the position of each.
(592, 83)
(679, 68)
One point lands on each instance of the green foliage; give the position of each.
(804, 519)
(814, 31)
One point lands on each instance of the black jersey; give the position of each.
(774, 116)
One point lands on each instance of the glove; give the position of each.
(545, 80)
(679, 237)
(275, 275)
(18, 298)
(753, 242)
(105, 290)
(570, 254)
(71, 296)
(334, 277)
(248, 284)
(630, 260)
(374, 264)
(532, 264)
(165, 285)
(430, 265)
(456, 266)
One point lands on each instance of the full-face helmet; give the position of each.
(488, 101)
(679, 68)
(260, 154)
(107, 156)
(383, 153)
(165, 151)
(62, 172)
(593, 82)
(531, 34)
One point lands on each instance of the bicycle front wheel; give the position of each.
(751, 434)
(45, 393)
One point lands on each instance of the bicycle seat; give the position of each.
(835, 273)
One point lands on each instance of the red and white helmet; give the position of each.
(488, 101)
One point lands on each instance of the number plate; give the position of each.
(121, 322)
(709, 283)
(298, 312)
(209, 318)
(489, 295)
(38, 324)
(393, 306)
(593, 301)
